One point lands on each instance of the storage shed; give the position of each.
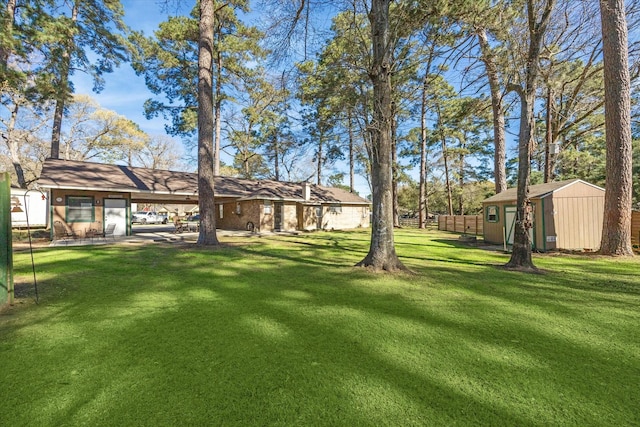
(566, 215)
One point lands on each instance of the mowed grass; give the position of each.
(284, 331)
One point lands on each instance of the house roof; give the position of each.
(142, 182)
(537, 191)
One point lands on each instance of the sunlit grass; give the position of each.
(285, 331)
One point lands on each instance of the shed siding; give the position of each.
(493, 231)
(578, 189)
(579, 222)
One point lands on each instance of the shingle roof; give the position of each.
(77, 175)
(537, 191)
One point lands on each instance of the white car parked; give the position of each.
(148, 217)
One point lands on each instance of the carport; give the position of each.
(87, 196)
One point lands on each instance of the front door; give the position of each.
(115, 211)
(277, 216)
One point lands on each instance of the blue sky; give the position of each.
(125, 92)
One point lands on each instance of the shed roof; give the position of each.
(69, 174)
(537, 191)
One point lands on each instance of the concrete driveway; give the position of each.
(150, 233)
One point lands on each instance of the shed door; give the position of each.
(510, 223)
(115, 211)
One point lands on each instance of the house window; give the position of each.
(267, 207)
(335, 208)
(238, 209)
(221, 211)
(492, 214)
(80, 209)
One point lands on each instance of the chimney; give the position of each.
(306, 191)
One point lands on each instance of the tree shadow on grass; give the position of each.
(234, 337)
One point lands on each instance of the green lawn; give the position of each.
(285, 331)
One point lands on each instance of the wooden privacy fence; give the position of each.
(469, 224)
(415, 222)
(635, 227)
(472, 224)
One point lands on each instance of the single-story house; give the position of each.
(85, 195)
(566, 215)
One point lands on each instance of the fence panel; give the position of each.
(635, 227)
(415, 223)
(469, 224)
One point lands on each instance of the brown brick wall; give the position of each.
(307, 217)
(295, 216)
(58, 204)
(290, 217)
(348, 217)
(237, 219)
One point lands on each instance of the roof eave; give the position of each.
(116, 190)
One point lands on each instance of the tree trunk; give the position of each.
(62, 88)
(394, 168)
(351, 154)
(218, 107)
(499, 138)
(6, 47)
(57, 121)
(276, 159)
(382, 253)
(422, 198)
(319, 164)
(549, 136)
(245, 162)
(616, 231)
(445, 158)
(206, 186)
(461, 180)
(12, 145)
(521, 254)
